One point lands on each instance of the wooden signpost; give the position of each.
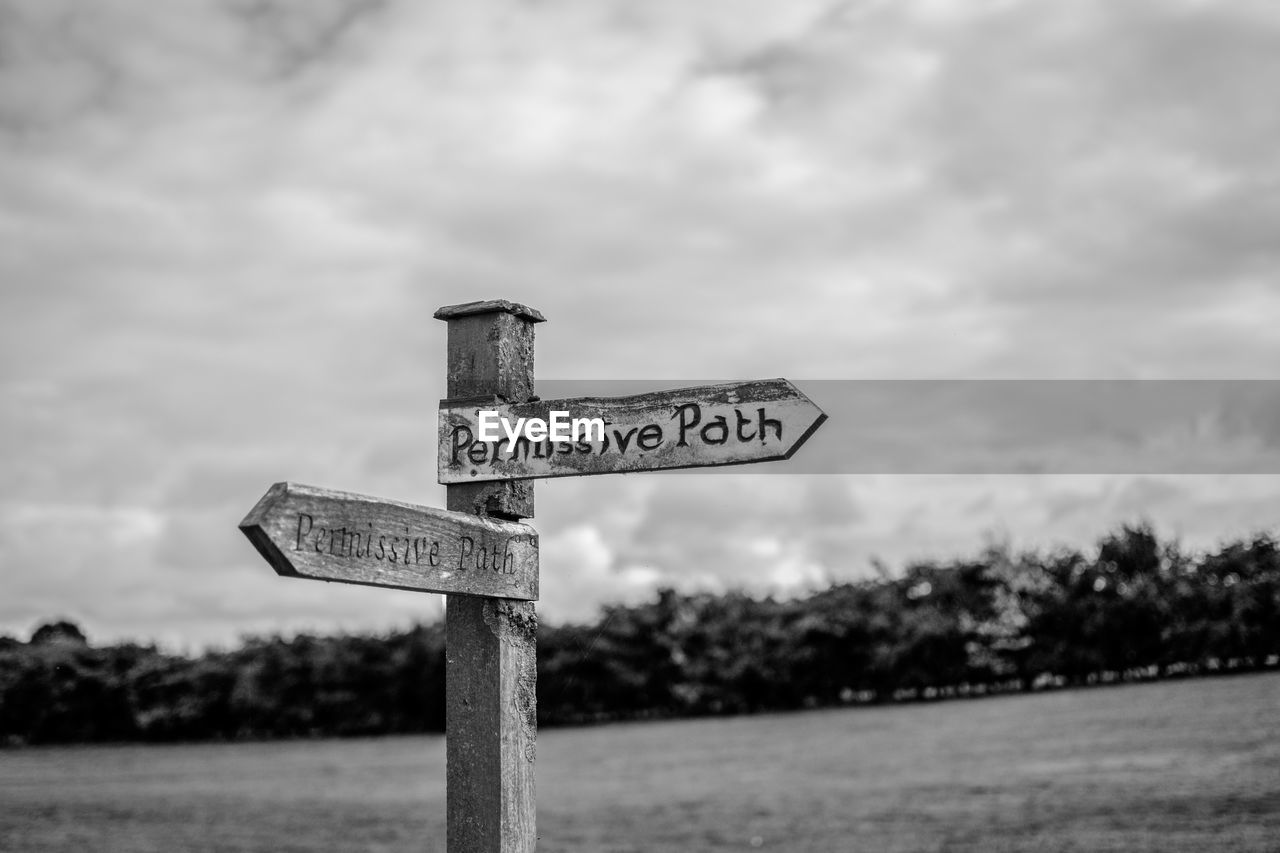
(306, 532)
(477, 553)
(730, 424)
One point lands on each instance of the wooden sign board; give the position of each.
(308, 532)
(730, 424)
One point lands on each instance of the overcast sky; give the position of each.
(224, 227)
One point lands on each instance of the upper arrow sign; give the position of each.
(308, 532)
(729, 424)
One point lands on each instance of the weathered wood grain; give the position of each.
(490, 645)
(730, 424)
(309, 532)
(489, 306)
(490, 354)
(491, 724)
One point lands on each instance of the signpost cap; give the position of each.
(490, 306)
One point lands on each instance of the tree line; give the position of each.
(1132, 608)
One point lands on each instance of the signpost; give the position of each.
(477, 553)
(306, 532)
(730, 424)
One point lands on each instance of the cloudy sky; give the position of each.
(224, 227)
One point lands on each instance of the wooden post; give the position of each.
(490, 664)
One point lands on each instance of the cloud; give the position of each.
(224, 227)
(761, 533)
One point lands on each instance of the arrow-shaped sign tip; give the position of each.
(813, 427)
(254, 528)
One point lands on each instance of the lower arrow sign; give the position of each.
(308, 532)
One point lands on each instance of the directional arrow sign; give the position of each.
(306, 532)
(730, 424)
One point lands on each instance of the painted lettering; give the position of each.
(623, 440)
(461, 438)
(766, 423)
(650, 437)
(689, 415)
(721, 428)
(301, 533)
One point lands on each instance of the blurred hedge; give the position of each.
(1133, 608)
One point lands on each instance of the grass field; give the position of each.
(1175, 766)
